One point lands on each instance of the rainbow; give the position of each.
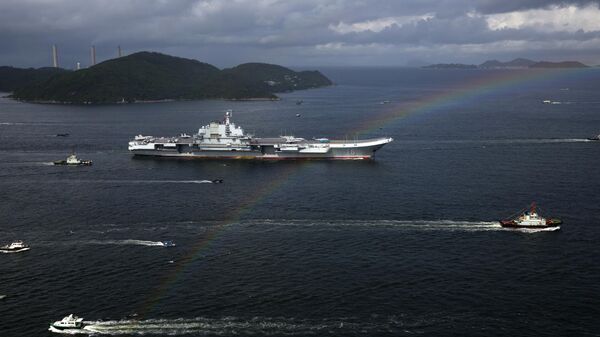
(491, 82)
(213, 232)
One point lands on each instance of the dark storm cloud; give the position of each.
(289, 32)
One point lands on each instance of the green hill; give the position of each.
(12, 78)
(147, 76)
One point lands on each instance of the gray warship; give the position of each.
(225, 140)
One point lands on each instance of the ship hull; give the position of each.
(355, 152)
(550, 223)
(9, 251)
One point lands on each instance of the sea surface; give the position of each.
(407, 244)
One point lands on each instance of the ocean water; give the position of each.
(407, 244)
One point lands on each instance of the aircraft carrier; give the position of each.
(225, 140)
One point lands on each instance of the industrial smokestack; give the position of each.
(119, 51)
(93, 55)
(54, 56)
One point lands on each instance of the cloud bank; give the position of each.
(301, 32)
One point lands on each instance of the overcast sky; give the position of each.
(301, 32)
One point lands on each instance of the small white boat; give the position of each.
(168, 243)
(14, 247)
(73, 161)
(70, 322)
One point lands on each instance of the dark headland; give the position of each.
(518, 63)
(149, 76)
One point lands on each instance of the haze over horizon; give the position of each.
(301, 33)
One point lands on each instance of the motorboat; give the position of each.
(14, 247)
(72, 160)
(597, 137)
(70, 322)
(168, 243)
(531, 219)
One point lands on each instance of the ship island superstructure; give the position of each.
(225, 140)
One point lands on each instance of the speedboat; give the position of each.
(15, 247)
(72, 160)
(531, 219)
(70, 322)
(217, 181)
(597, 137)
(168, 243)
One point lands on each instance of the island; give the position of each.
(564, 64)
(518, 63)
(450, 66)
(151, 76)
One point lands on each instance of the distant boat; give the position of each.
(217, 181)
(547, 101)
(14, 247)
(62, 135)
(168, 243)
(298, 115)
(299, 102)
(72, 160)
(596, 138)
(2, 297)
(531, 219)
(384, 102)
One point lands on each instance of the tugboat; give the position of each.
(70, 322)
(531, 219)
(72, 160)
(597, 137)
(15, 247)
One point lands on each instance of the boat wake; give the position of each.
(410, 225)
(228, 326)
(141, 182)
(544, 141)
(510, 141)
(167, 181)
(444, 225)
(130, 242)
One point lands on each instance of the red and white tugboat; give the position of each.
(532, 220)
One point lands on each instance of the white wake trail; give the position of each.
(128, 242)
